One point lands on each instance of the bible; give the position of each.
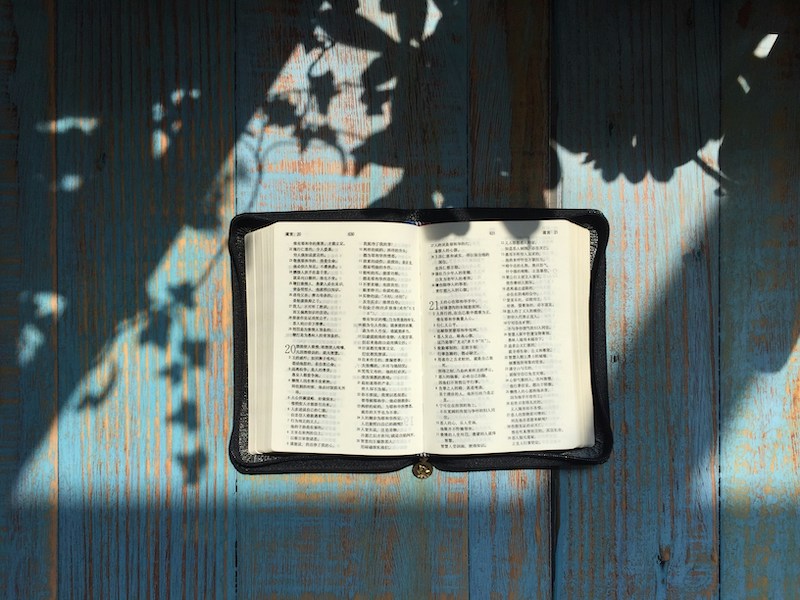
(371, 338)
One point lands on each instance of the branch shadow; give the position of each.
(130, 177)
(127, 189)
(729, 313)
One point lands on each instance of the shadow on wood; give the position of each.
(637, 107)
(109, 182)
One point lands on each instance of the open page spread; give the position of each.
(372, 338)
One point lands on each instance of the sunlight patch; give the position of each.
(431, 20)
(30, 340)
(71, 182)
(372, 11)
(743, 84)
(158, 112)
(179, 94)
(757, 454)
(160, 143)
(48, 303)
(385, 21)
(579, 167)
(388, 85)
(85, 125)
(160, 139)
(764, 47)
(315, 122)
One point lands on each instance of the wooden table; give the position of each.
(133, 132)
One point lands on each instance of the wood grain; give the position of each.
(509, 95)
(509, 87)
(143, 134)
(28, 397)
(417, 159)
(374, 536)
(131, 133)
(760, 301)
(636, 130)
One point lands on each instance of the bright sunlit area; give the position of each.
(133, 136)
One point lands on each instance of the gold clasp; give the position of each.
(422, 469)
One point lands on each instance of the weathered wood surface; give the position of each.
(380, 106)
(637, 129)
(760, 302)
(29, 405)
(132, 133)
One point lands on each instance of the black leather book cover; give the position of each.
(245, 462)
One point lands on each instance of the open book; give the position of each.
(374, 338)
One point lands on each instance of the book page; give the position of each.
(346, 339)
(506, 309)
(258, 285)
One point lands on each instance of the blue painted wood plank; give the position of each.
(144, 134)
(637, 130)
(389, 129)
(379, 536)
(760, 302)
(509, 120)
(28, 400)
(366, 116)
(509, 534)
(509, 103)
